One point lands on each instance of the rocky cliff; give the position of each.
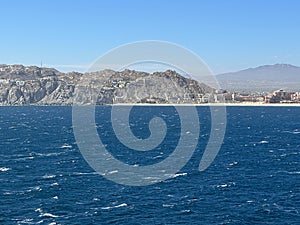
(20, 85)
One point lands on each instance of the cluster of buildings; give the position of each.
(20, 83)
(12, 82)
(278, 96)
(281, 96)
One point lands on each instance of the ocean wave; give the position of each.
(65, 146)
(114, 207)
(4, 169)
(49, 154)
(112, 172)
(178, 175)
(226, 185)
(48, 215)
(186, 211)
(294, 172)
(83, 173)
(48, 176)
(263, 142)
(36, 188)
(23, 158)
(292, 132)
(233, 163)
(168, 205)
(26, 221)
(38, 210)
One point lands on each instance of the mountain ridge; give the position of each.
(31, 85)
(276, 71)
(265, 78)
(25, 85)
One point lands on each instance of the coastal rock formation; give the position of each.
(20, 85)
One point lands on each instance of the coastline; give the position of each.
(247, 104)
(215, 104)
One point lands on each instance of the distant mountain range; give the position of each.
(262, 78)
(32, 85)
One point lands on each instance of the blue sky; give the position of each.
(228, 35)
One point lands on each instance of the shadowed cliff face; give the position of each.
(20, 85)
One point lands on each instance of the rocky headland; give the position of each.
(32, 85)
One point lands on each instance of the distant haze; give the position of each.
(262, 78)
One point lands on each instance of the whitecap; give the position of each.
(54, 184)
(48, 215)
(26, 221)
(116, 206)
(232, 164)
(66, 146)
(37, 188)
(4, 169)
(157, 157)
(186, 211)
(81, 173)
(50, 154)
(178, 175)
(48, 176)
(192, 200)
(113, 171)
(121, 205)
(292, 132)
(226, 185)
(263, 142)
(24, 158)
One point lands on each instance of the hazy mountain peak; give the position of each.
(265, 77)
(276, 72)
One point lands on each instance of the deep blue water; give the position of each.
(255, 179)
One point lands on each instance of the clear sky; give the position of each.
(227, 34)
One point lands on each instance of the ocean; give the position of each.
(254, 179)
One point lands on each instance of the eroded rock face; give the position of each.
(21, 85)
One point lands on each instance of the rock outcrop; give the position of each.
(20, 85)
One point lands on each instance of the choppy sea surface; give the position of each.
(255, 178)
